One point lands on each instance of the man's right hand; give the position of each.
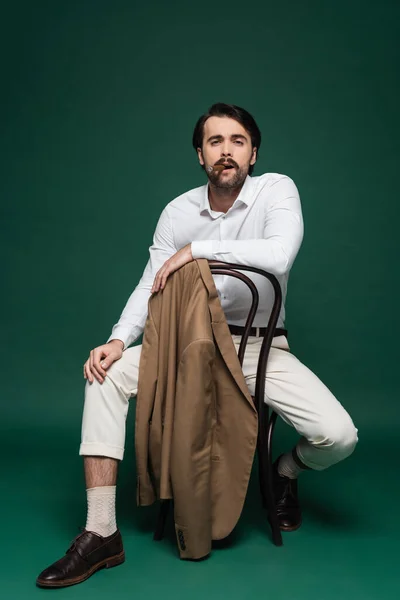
(101, 358)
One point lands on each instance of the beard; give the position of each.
(235, 179)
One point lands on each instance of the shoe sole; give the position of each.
(107, 563)
(293, 528)
(283, 528)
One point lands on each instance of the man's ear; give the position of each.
(200, 155)
(253, 156)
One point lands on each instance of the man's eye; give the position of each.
(239, 142)
(214, 142)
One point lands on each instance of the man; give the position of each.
(236, 218)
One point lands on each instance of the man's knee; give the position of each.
(347, 440)
(122, 374)
(340, 438)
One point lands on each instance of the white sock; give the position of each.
(288, 467)
(101, 510)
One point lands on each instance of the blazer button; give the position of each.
(181, 539)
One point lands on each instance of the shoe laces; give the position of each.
(72, 545)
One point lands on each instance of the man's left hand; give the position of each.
(183, 256)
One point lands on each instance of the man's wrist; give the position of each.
(119, 342)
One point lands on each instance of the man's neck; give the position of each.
(221, 199)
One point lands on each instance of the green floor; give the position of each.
(346, 548)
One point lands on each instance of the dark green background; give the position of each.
(99, 100)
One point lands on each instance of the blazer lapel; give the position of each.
(221, 331)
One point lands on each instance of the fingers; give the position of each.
(107, 362)
(164, 278)
(156, 282)
(99, 360)
(98, 353)
(92, 367)
(161, 278)
(86, 372)
(94, 362)
(178, 260)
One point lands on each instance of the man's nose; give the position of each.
(225, 152)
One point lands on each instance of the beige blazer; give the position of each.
(196, 424)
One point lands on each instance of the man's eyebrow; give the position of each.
(214, 137)
(233, 136)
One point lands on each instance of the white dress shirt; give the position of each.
(262, 229)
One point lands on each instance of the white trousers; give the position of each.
(327, 432)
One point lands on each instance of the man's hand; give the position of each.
(180, 258)
(101, 358)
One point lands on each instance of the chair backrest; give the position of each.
(234, 270)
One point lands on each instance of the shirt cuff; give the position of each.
(203, 249)
(128, 337)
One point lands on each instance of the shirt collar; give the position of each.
(245, 196)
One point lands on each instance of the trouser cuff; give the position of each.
(100, 449)
(299, 461)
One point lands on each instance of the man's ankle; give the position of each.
(288, 467)
(101, 517)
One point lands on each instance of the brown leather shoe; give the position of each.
(286, 501)
(88, 553)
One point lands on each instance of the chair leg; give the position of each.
(276, 530)
(266, 478)
(162, 517)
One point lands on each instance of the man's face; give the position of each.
(225, 141)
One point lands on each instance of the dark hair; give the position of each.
(233, 112)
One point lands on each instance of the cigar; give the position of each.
(216, 168)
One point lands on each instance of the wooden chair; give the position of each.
(266, 421)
